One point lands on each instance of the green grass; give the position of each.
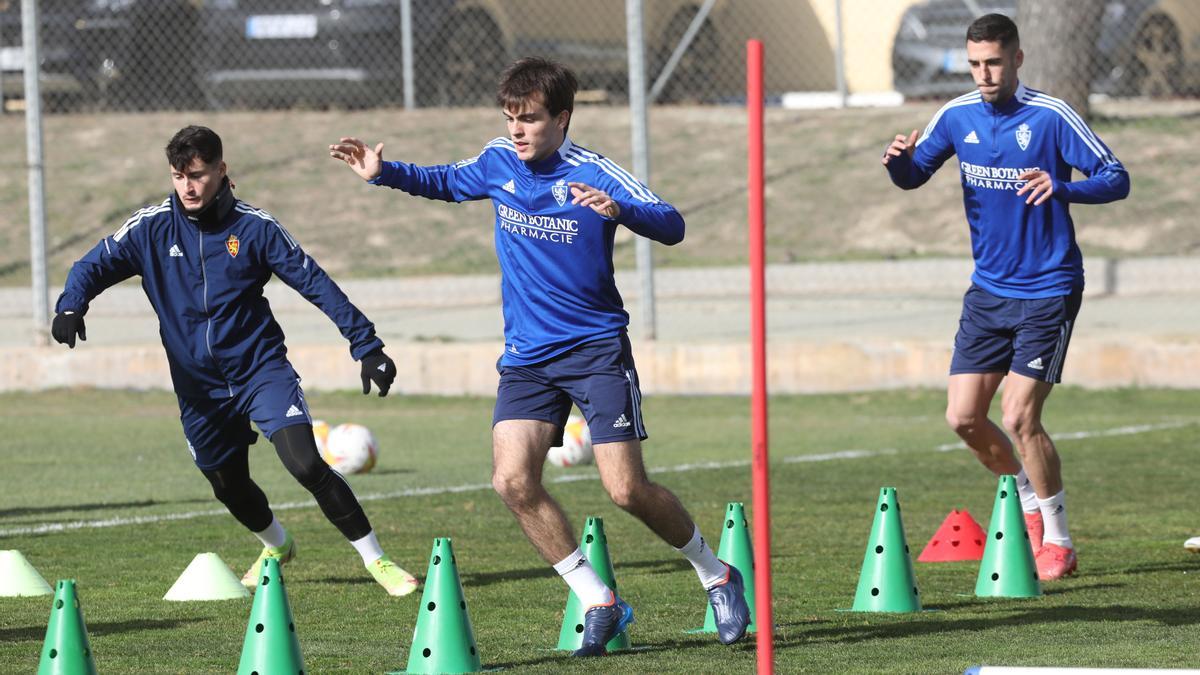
(95, 455)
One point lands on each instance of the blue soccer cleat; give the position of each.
(602, 623)
(728, 600)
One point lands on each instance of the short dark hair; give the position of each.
(994, 28)
(532, 75)
(191, 142)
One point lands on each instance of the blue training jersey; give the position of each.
(1020, 250)
(555, 257)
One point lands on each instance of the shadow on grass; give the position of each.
(616, 661)
(945, 624)
(391, 472)
(489, 578)
(38, 633)
(145, 503)
(1149, 568)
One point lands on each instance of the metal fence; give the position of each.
(222, 54)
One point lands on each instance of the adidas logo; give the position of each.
(621, 422)
(175, 252)
(971, 138)
(1036, 364)
(382, 368)
(509, 187)
(294, 412)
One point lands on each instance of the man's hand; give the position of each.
(364, 161)
(595, 199)
(379, 368)
(66, 326)
(1038, 184)
(901, 145)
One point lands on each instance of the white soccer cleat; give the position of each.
(1192, 544)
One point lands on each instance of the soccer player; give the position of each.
(204, 257)
(557, 207)
(1016, 148)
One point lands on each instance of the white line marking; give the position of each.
(50, 528)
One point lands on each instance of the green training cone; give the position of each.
(595, 548)
(271, 646)
(443, 641)
(1007, 569)
(736, 550)
(887, 583)
(66, 650)
(19, 578)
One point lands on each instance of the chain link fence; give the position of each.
(264, 54)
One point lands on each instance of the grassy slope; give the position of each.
(827, 196)
(86, 455)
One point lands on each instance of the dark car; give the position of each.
(929, 54)
(140, 54)
(270, 53)
(64, 79)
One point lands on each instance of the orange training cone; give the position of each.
(959, 538)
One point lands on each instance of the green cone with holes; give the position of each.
(271, 646)
(1007, 569)
(595, 548)
(736, 550)
(887, 583)
(443, 641)
(66, 650)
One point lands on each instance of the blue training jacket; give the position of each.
(1021, 251)
(206, 285)
(555, 257)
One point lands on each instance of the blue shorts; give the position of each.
(217, 428)
(1028, 337)
(597, 376)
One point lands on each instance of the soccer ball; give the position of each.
(350, 448)
(320, 434)
(577, 444)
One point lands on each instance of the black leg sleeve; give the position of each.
(233, 487)
(297, 449)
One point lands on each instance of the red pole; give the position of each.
(758, 343)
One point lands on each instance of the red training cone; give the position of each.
(959, 538)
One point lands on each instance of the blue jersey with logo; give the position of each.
(1020, 250)
(206, 285)
(555, 257)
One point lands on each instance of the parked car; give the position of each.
(139, 54)
(1145, 47)
(348, 52)
(64, 80)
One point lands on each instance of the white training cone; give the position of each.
(207, 578)
(17, 577)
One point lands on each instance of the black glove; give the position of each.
(379, 368)
(66, 326)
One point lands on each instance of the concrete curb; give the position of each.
(664, 368)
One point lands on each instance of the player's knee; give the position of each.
(627, 494)
(1019, 423)
(961, 422)
(515, 489)
(311, 473)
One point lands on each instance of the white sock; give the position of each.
(710, 570)
(583, 580)
(1029, 498)
(274, 536)
(368, 548)
(1054, 515)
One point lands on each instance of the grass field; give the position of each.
(827, 196)
(91, 461)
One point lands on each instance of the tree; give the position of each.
(1059, 40)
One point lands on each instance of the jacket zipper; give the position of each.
(208, 320)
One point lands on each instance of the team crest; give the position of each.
(232, 245)
(559, 190)
(1023, 135)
